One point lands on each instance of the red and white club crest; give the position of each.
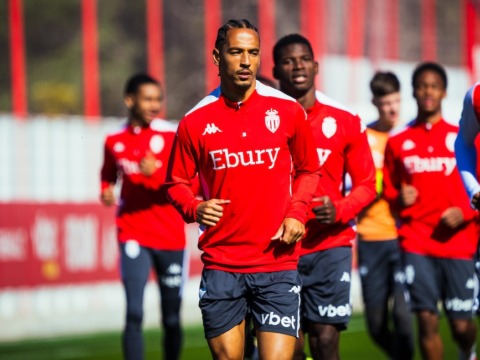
(329, 126)
(272, 120)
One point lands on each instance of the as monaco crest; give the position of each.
(329, 127)
(272, 120)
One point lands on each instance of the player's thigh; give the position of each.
(223, 301)
(423, 279)
(327, 280)
(274, 300)
(230, 344)
(135, 262)
(376, 271)
(169, 270)
(275, 346)
(459, 287)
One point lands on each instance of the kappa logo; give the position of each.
(174, 269)
(272, 120)
(295, 289)
(118, 147)
(408, 145)
(329, 127)
(345, 277)
(211, 129)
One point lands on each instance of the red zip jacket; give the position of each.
(342, 146)
(245, 152)
(144, 214)
(422, 155)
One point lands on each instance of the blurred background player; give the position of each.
(438, 231)
(150, 230)
(326, 251)
(243, 140)
(466, 153)
(379, 259)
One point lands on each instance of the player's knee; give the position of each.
(463, 329)
(171, 321)
(134, 318)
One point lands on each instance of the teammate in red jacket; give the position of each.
(438, 232)
(243, 140)
(150, 230)
(326, 254)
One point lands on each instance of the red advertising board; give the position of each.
(42, 244)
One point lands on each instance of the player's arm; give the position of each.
(393, 190)
(465, 150)
(181, 172)
(360, 167)
(306, 168)
(108, 177)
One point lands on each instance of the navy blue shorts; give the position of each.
(452, 281)
(326, 277)
(381, 271)
(273, 299)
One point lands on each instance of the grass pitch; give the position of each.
(355, 344)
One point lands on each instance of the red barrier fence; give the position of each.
(58, 244)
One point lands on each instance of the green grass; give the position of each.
(355, 344)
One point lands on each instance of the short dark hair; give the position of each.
(429, 66)
(137, 80)
(384, 83)
(232, 24)
(288, 40)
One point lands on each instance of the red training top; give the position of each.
(342, 146)
(244, 152)
(144, 214)
(422, 155)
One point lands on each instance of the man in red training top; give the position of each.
(326, 251)
(150, 231)
(386, 310)
(243, 140)
(437, 231)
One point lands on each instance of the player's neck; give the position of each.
(306, 99)
(382, 126)
(429, 118)
(236, 93)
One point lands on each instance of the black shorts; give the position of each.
(451, 281)
(273, 299)
(326, 277)
(381, 271)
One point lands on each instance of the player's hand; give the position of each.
(476, 201)
(408, 195)
(148, 164)
(108, 196)
(326, 212)
(452, 217)
(209, 212)
(290, 232)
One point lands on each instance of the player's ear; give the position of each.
(315, 66)
(275, 73)
(129, 101)
(216, 57)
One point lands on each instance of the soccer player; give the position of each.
(150, 231)
(326, 251)
(379, 259)
(466, 149)
(243, 140)
(438, 231)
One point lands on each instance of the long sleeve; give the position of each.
(465, 150)
(306, 165)
(391, 178)
(360, 167)
(108, 173)
(181, 173)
